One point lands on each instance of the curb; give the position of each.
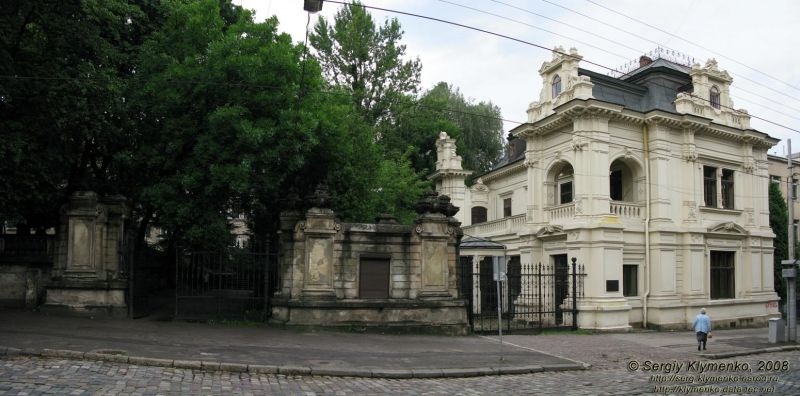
(291, 370)
(725, 355)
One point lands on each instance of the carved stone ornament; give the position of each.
(530, 163)
(690, 153)
(728, 227)
(479, 186)
(433, 203)
(749, 165)
(337, 227)
(549, 229)
(320, 198)
(578, 207)
(418, 229)
(628, 154)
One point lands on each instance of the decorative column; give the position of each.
(449, 176)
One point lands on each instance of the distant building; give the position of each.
(779, 174)
(651, 180)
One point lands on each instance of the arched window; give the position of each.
(478, 214)
(713, 97)
(556, 86)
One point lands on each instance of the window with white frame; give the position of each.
(718, 187)
(713, 97)
(556, 86)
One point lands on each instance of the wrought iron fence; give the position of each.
(534, 297)
(230, 284)
(28, 247)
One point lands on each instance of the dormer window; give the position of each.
(713, 97)
(556, 86)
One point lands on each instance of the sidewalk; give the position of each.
(274, 350)
(267, 349)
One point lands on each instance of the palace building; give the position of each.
(651, 180)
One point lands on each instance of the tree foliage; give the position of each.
(64, 67)
(222, 121)
(778, 221)
(367, 60)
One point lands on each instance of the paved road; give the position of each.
(35, 376)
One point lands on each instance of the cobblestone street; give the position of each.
(36, 376)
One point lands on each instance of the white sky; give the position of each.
(759, 34)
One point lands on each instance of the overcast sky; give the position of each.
(755, 41)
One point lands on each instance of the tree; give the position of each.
(222, 124)
(64, 67)
(778, 221)
(367, 60)
(479, 124)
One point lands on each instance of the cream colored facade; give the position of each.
(665, 164)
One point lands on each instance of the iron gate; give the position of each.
(230, 284)
(535, 296)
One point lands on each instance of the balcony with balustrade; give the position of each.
(506, 225)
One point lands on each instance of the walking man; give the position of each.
(702, 325)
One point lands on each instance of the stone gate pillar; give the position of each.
(436, 233)
(87, 277)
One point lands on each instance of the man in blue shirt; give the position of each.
(702, 325)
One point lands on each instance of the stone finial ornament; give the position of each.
(320, 198)
(433, 203)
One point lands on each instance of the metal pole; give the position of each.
(574, 295)
(791, 300)
(790, 200)
(499, 317)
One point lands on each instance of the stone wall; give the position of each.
(321, 271)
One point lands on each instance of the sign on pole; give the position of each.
(499, 271)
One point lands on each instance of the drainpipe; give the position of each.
(646, 224)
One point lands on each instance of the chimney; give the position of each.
(644, 60)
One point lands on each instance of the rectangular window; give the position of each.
(710, 186)
(794, 189)
(727, 188)
(616, 185)
(630, 280)
(565, 192)
(722, 275)
(507, 207)
(479, 215)
(775, 179)
(373, 278)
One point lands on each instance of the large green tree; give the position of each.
(367, 60)
(479, 124)
(222, 121)
(64, 67)
(778, 221)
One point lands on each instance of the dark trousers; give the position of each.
(701, 339)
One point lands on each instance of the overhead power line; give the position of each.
(639, 36)
(346, 94)
(614, 42)
(535, 27)
(541, 47)
(692, 43)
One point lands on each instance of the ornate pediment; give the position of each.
(549, 230)
(728, 227)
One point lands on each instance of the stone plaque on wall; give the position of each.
(319, 263)
(80, 256)
(434, 265)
